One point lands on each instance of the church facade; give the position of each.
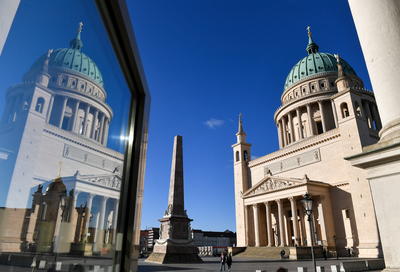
(325, 116)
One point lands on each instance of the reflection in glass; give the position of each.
(57, 119)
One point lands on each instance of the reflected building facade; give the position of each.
(58, 113)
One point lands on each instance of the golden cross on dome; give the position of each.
(80, 27)
(309, 32)
(59, 170)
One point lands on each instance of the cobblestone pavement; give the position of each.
(209, 264)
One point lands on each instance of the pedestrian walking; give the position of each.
(229, 261)
(223, 260)
(282, 254)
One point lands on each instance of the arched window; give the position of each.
(344, 109)
(39, 105)
(26, 104)
(245, 156)
(237, 156)
(358, 109)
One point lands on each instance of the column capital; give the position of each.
(266, 203)
(105, 198)
(91, 195)
(292, 198)
(289, 114)
(255, 206)
(278, 201)
(320, 198)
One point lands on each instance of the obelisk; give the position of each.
(175, 244)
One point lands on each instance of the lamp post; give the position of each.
(308, 206)
(337, 256)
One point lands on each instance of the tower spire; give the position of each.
(241, 136)
(312, 47)
(76, 43)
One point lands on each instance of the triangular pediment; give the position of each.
(271, 184)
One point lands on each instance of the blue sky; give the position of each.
(205, 62)
(208, 61)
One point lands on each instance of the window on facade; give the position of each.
(65, 122)
(345, 110)
(347, 213)
(358, 109)
(332, 84)
(39, 105)
(245, 156)
(322, 85)
(312, 87)
(319, 127)
(237, 156)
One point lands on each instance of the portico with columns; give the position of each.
(275, 215)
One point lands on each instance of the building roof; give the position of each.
(313, 64)
(73, 59)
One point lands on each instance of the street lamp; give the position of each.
(337, 256)
(308, 206)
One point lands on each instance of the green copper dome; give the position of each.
(314, 64)
(73, 59)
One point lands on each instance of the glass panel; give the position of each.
(65, 108)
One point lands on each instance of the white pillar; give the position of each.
(321, 111)
(50, 109)
(116, 205)
(290, 123)
(269, 222)
(335, 113)
(279, 126)
(101, 128)
(256, 225)
(246, 216)
(94, 121)
(282, 235)
(310, 122)
(8, 9)
(89, 209)
(63, 111)
(75, 117)
(284, 133)
(301, 136)
(378, 28)
(107, 126)
(293, 207)
(86, 120)
(103, 212)
(321, 217)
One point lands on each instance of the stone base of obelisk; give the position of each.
(174, 251)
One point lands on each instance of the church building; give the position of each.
(325, 116)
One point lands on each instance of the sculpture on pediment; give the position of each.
(271, 185)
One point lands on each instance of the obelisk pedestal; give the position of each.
(175, 244)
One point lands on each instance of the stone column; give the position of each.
(377, 24)
(335, 113)
(50, 109)
(75, 120)
(106, 127)
(92, 133)
(246, 216)
(284, 133)
(269, 222)
(63, 111)
(293, 207)
(101, 128)
(279, 126)
(301, 136)
(282, 235)
(86, 120)
(310, 122)
(308, 230)
(116, 205)
(100, 230)
(321, 110)
(88, 213)
(320, 201)
(256, 225)
(290, 122)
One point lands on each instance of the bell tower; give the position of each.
(241, 157)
